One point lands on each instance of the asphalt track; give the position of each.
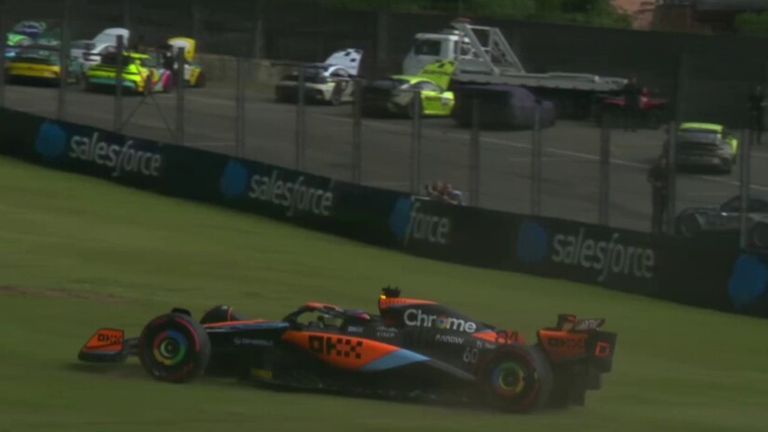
(570, 164)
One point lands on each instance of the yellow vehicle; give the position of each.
(40, 65)
(142, 74)
(193, 72)
(708, 145)
(394, 96)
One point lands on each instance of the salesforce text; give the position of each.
(295, 196)
(607, 257)
(121, 159)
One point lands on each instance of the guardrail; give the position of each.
(706, 272)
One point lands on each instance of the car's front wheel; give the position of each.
(174, 348)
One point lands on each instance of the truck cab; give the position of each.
(429, 48)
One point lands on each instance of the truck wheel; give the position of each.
(517, 379)
(174, 348)
(220, 313)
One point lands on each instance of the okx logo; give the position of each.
(51, 141)
(409, 221)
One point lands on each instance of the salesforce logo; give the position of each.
(408, 222)
(604, 256)
(51, 141)
(532, 243)
(748, 283)
(234, 180)
(400, 217)
(296, 196)
(55, 142)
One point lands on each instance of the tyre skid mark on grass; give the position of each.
(57, 293)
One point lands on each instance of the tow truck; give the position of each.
(483, 56)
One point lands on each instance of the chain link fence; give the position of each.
(592, 170)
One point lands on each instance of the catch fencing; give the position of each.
(592, 170)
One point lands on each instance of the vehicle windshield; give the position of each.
(46, 57)
(427, 47)
(755, 205)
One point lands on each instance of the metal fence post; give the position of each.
(605, 176)
(474, 154)
(240, 107)
(415, 164)
(3, 47)
(64, 60)
(536, 153)
(745, 179)
(126, 12)
(357, 132)
(118, 107)
(671, 178)
(180, 86)
(300, 119)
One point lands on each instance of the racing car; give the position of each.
(193, 71)
(696, 221)
(706, 145)
(394, 95)
(412, 348)
(142, 73)
(330, 82)
(40, 65)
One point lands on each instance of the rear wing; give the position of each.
(107, 345)
(574, 339)
(440, 72)
(349, 59)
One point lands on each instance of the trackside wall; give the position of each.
(709, 273)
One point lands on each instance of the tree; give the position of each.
(752, 23)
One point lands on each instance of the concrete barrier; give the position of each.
(222, 70)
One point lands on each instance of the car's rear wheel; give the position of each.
(174, 348)
(517, 379)
(336, 94)
(688, 225)
(415, 107)
(201, 80)
(759, 235)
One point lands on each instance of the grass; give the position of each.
(78, 253)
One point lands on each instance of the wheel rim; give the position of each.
(170, 348)
(509, 379)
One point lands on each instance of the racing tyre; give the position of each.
(759, 235)
(220, 313)
(336, 94)
(411, 110)
(174, 348)
(201, 80)
(517, 379)
(688, 225)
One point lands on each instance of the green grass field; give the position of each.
(78, 253)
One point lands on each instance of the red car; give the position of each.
(651, 108)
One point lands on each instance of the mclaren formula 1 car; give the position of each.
(411, 349)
